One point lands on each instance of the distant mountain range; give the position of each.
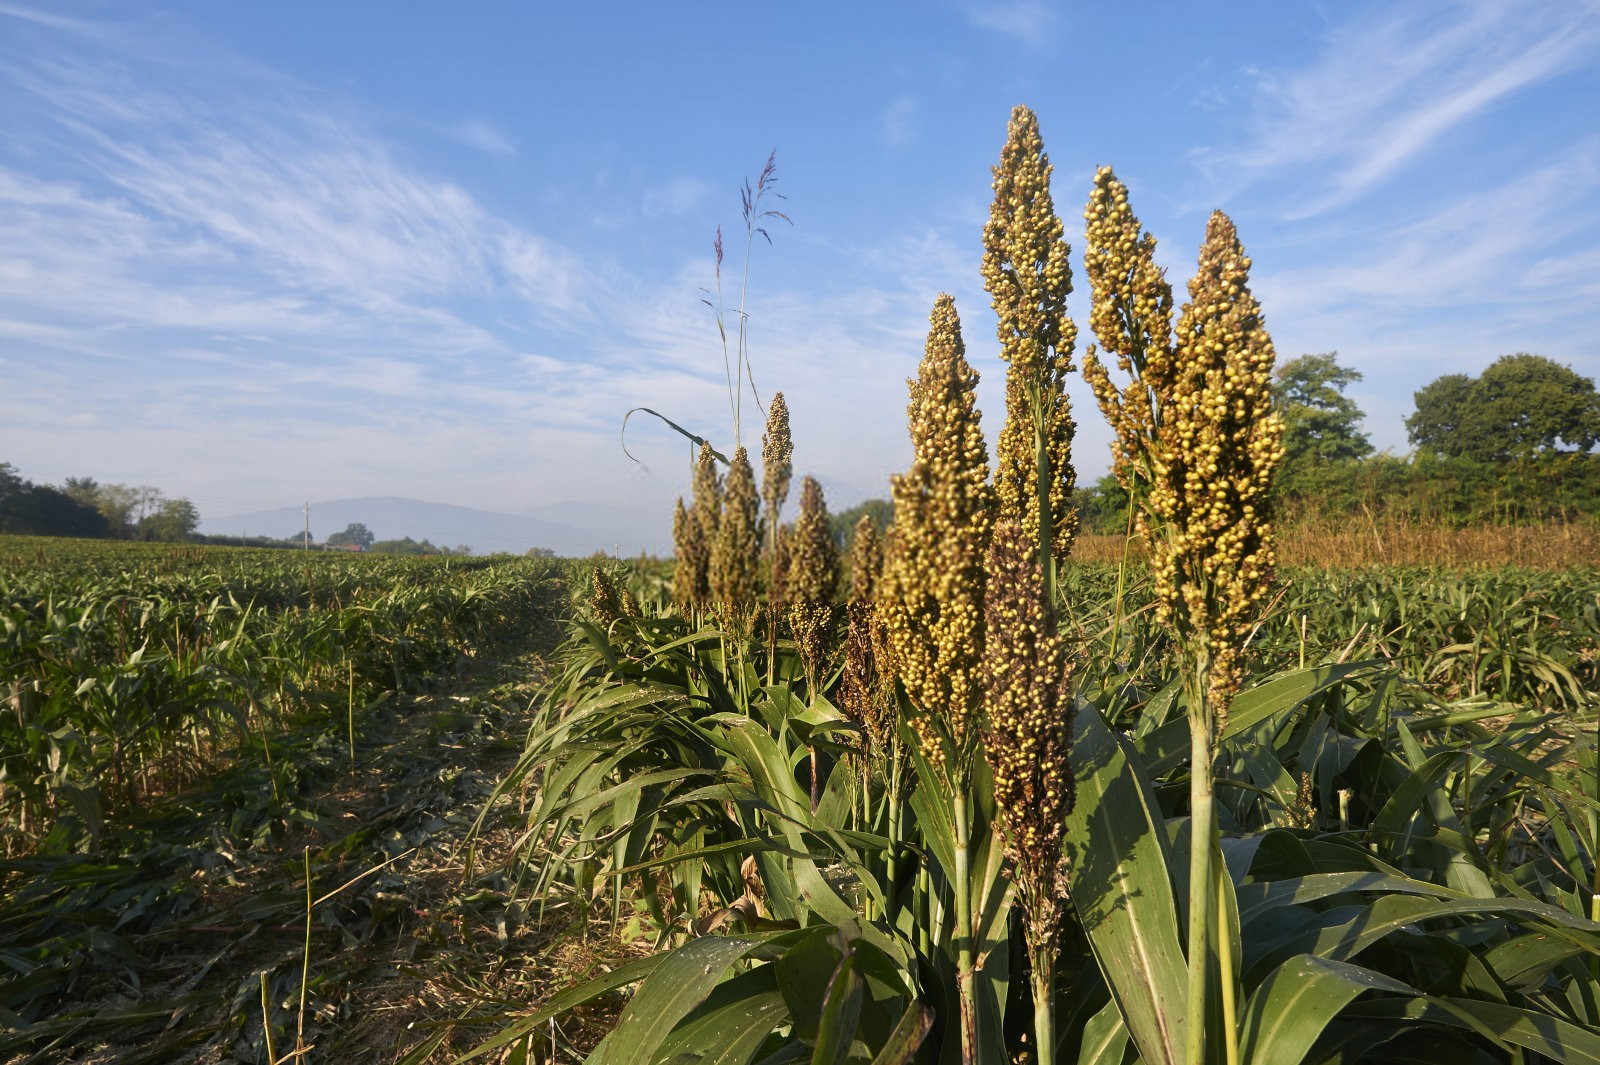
(572, 529)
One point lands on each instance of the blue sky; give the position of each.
(255, 254)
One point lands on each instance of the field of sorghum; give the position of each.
(1002, 805)
(129, 670)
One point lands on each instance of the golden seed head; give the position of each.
(1131, 314)
(736, 553)
(691, 556)
(777, 453)
(604, 601)
(1028, 726)
(931, 591)
(866, 559)
(706, 513)
(1027, 270)
(812, 579)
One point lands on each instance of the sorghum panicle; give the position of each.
(1027, 270)
(736, 554)
(706, 514)
(777, 455)
(1028, 726)
(862, 692)
(1217, 446)
(1132, 317)
(603, 598)
(866, 559)
(688, 563)
(812, 579)
(931, 591)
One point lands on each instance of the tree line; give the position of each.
(83, 506)
(1514, 444)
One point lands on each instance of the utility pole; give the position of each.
(308, 525)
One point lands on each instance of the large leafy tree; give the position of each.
(1521, 406)
(1321, 424)
(355, 533)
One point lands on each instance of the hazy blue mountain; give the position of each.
(566, 528)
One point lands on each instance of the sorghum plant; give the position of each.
(1027, 270)
(1196, 425)
(931, 594)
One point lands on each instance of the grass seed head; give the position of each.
(604, 600)
(1131, 314)
(706, 514)
(866, 559)
(812, 579)
(1028, 723)
(687, 564)
(931, 591)
(736, 553)
(1217, 445)
(1027, 270)
(777, 455)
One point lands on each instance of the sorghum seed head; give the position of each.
(1028, 725)
(931, 591)
(736, 553)
(1027, 270)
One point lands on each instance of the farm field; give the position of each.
(187, 731)
(200, 870)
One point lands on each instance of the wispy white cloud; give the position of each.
(674, 197)
(1030, 21)
(899, 121)
(1383, 89)
(484, 136)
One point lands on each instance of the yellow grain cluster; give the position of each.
(736, 554)
(862, 692)
(1027, 734)
(931, 591)
(1131, 315)
(705, 515)
(1027, 271)
(604, 601)
(688, 563)
(1194, 426)
(811, 580)
(777, 454)
(1217, 447)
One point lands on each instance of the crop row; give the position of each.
(128, 672)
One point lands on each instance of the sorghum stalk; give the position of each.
(1027, 270)
(931, 594)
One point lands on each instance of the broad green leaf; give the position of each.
(679, 983)
(1116, 852)
(1291, 1007)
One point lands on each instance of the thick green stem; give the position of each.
(1044, 1006)
(962, 889)
(1230, 1013)
(1202, 821)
